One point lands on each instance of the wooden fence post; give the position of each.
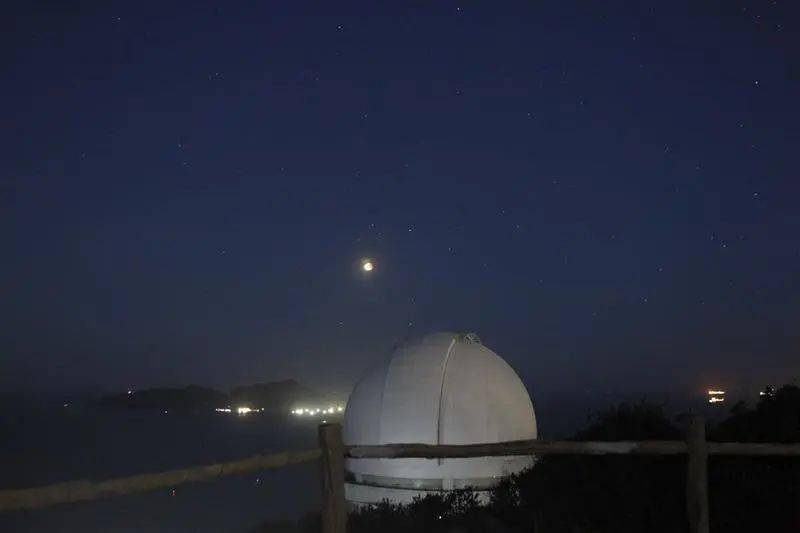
(697, 475)
(331, 461)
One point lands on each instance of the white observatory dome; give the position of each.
(445, 389)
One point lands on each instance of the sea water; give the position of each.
(43, 446)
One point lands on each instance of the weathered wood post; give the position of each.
(331, 462)
(697, 475)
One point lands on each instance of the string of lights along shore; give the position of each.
(300, 411)
(313, 411)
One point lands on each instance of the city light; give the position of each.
(242, 410)
(312, 411)
(716, 396)
(297, 411)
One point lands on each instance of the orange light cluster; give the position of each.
(716, 396)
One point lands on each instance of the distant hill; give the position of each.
(185, 399)
(277, 395)
(272, 396)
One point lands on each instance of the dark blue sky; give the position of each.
(607, 195)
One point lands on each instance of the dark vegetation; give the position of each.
(277, 396)
(620, 494)
(751, 493)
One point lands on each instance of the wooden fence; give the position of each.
(332, 452)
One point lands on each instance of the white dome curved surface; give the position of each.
(445, 389)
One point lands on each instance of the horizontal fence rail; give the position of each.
(521, 447)
(753, 448)
(541, 447)
(77, 491)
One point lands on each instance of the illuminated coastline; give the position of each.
(300, 411)
(241, 410)
(716, 396)
(316, 411)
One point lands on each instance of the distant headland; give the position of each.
(276, 396)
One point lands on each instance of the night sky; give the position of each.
(607, 195)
